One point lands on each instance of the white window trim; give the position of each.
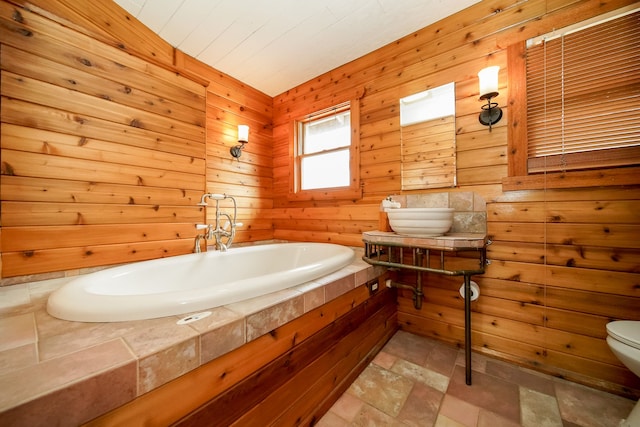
(354, 190)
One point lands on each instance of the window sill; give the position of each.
(326, 194)
(574, 179)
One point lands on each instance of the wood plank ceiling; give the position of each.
(277, 45)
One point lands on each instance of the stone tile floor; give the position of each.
(416, 381)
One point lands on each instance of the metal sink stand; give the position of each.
(391, 255)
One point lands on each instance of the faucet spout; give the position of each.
(196, 247)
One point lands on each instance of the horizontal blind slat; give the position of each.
(610, 158)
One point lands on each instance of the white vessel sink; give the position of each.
(420, 222)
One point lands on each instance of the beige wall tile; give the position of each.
(158, 336)
(339, 287)
(270, 318)
(77, 403)
(23, 384)
(222, 340)
(17, 331)
(161, 367)
(18, 358)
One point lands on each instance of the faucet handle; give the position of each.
(201, 226)
(238, 224)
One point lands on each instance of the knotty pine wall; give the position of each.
(564, 262)
(249, 179)
(109, 139)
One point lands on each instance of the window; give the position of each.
(324, 144)
(583, 97)
(325, 154)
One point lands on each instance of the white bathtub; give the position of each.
(193, 282)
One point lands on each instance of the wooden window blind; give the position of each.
(583, 98)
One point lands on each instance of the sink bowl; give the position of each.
(420, 222)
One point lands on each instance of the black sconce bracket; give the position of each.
(236, 151)
(490, 113)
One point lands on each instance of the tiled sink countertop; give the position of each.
(448, 242)
(59, 372)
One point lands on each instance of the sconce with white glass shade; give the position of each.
(243, 138)
(488, 80)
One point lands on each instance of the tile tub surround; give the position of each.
(71, 372)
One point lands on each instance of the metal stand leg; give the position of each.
(417, 293)
(467, 328)
(393, 249)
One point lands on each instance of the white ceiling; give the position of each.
(275, 45)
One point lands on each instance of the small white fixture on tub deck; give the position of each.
(193, 282)
(420, 222)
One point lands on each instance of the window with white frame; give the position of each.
(325, 152)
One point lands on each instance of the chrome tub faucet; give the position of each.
(222, 236)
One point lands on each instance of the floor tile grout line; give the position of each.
(546, 394)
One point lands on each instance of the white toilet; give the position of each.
(624, 341)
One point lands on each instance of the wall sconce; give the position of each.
(490, 113)
(243, 138)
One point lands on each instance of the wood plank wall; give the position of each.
(110, 137)
(78, 191)
(249, 178)
(564, 262)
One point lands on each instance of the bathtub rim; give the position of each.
(63, 305)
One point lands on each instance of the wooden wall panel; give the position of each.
(109, 138)
(249, 179)
(30, 115)
(101, 20)
(95, 143)
(45, 70)
(556, 253)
